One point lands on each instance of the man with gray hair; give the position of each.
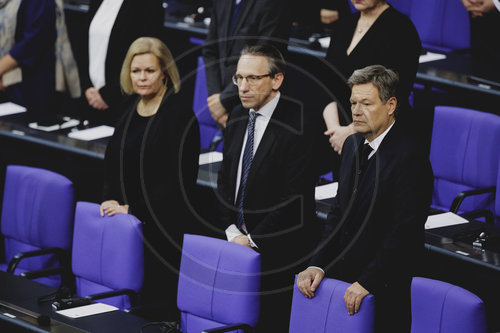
(375, 230)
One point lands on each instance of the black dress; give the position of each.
(392, 41)
(152, 165)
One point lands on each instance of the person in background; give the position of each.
(235, 24)
(27, 57)
(152, 165)
(113, 26)
(378, 34)
(485, 18)
(374, 233)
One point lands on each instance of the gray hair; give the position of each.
(386, 80)
(274, 57)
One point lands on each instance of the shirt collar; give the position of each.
(378, 140)
(268, 109)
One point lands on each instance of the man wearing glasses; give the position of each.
(265, 185)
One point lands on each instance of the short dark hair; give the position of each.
(276, 61)
(384, 79)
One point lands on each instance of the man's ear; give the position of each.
(392, 103)
(278, 81)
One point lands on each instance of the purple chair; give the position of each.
(404, 6)
(440, 307)
(443, 25)
(108, 257)
(219, 285)
(326, 311)
(37, 222)
(210, 135)
(465, 159)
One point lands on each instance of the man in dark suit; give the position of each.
(265, 184)
(234, 25)
(375, 230)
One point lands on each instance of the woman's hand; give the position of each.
(338, 136)
(112, 207)
(94, 99)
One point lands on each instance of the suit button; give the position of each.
(358, 172)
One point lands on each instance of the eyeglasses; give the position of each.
(251, 79)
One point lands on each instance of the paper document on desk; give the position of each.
(326, 191)
(211, 157)
(10, 108)
(430, 56)
(93, 133)
(87, 310)
(444, 220)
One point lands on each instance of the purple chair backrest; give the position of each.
(326, 311)
(440, 307)
(219, 284)
(443, 25)
(37, 213)
(464, 155)
(404, 6)
(208, 126)
(107, 253)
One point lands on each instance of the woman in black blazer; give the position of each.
(152, 164)
(133, 19)
(377, 34)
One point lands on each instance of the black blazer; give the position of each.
(392, 41)
(170, 166)
(279, 199)
(135, 19)
(259, 21)
(374, 236)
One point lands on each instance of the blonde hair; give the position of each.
(144, 45)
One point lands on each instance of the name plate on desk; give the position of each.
(87, 310)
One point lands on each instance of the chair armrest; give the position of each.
(455, 205)
(43, 273)
(60, 253)
(133, 297)
(488, 216)
(244, 327)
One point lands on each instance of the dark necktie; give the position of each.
(246, 163)
(236, 10)
(365, 152)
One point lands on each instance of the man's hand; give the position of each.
(309, 280)
(338, 136)
(328, 16)
(479, 7)
(242, 240)
(1, 84)
(353, 297)
(95, 100)
(217, 110)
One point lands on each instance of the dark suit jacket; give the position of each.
(374, 234)
(259, 21)
(135, 19)
(279, 199)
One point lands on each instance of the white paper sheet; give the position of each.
(430, 56)
(211, 157)
(444, 220)
(87, 310)
(10, 108)
(326, 191)
(93, 133)
(324, 42)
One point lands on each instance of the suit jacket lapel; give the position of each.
(239, 129)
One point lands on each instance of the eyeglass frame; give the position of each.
(257, 78)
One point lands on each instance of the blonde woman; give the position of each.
(152, 162)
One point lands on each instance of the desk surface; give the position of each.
(24, 293)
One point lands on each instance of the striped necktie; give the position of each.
(245, 165)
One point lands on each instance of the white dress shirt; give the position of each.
(497, 4)
(99, 32)
(265, 114)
